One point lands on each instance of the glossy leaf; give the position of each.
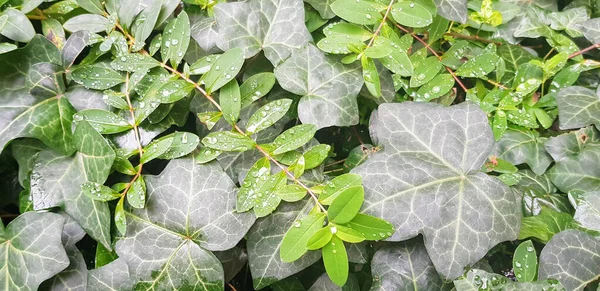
(268, 115)
(228, 141)
(293, 245)
(223, 70)
(525, 262)
(293, 138)
(230, 101)
(346, 205)
(335, 259)
(175, 39)
(173, 261)
(419, 170)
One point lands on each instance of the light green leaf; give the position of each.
(175, 39)
(346, 205)
(256, 87)
(279, 32)
(144, 24)
(412, 14)
(96, 77)
(372, 228)
(105, 122)
(31, 242)
(572, 257)
(316, 155)
(293, 245)
(525, 262)
(223, 70)
(16, 26)
(347, 234)
(134, 62)
(404, 266)
(264, 242)
(421, 160)
(578, 107)
(99, 192)
(437, 87)
(91, 22)
(328, 87)
(398, 62)
(371, 76)
(171, 146)
(319, 239)
(136, 196)
(335, 259)
(425, 71)
(210, 118)
(339, 185)
(363, 12)
(294, 138)
(230, 101)
(266, 199)
(252, 184)
(228, 141)
(545, 225)
(291, 193)
(268, 115)
(56, 181)
(201, 66)
(478, 66)
(206, 155)
(168, 245)
(347, 30)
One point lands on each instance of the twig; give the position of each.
(136, 132)
(472, 37)
(460, 83)
(587, 49)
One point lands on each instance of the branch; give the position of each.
(587, 49)
(472, 37)
(435, 54)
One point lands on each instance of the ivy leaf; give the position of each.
(476, 278)
(578, 107)
(175, 253)
(572, 257)
(25, 115)
(279, 32)
(264, 242)
(404, 266)
(576, 154)
(16, 26)
(519, 146)
(114, 276)
(587, 210)
(75, 275)
(293, 245)
(514, 56)
(420, 157)
(323, 7)
(455, 10)
(175, 39)
(328, 87)
(31, 242)
(56, 181)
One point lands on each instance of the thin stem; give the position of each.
(460, 83)
(136, 132)
(239, 130)
(497, 84)
(587, 49)
(472, 37)
(378, 30)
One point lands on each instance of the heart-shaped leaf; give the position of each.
(431, 153)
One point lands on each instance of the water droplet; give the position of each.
(174, 42)
(435, 89)
(530, 249)
(368, 16)
(334, 251)
(333, 229)
(411, 5)
(297, 224)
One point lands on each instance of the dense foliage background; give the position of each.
(299, 145)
